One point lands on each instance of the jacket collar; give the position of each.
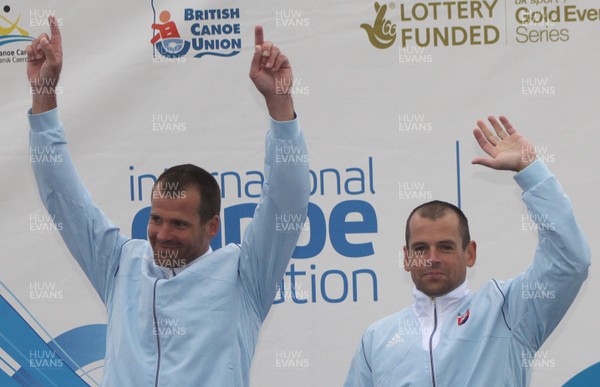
(423, 302)
(172, 272)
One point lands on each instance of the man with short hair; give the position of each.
(451, 336)
(219, 299)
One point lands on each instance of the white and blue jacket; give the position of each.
(488, 338)
(199, 327)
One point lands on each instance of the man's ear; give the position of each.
(407, 263)
(471, 253)
(213, 226)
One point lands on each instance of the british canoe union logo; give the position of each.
(167, 39)
(186, 32)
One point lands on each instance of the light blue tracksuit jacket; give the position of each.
(488, 338)
(200, 327)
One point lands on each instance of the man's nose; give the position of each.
(164, 233)
(434, 256)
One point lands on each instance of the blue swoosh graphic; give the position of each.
(587, 377)
(216, 54)
(40, 363)
(14, 38)
(85, 344)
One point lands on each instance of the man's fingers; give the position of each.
(485, 161)
(487, 148)
(266, 49)
(497, 128)
(38, 53)
(33, 48)
(281, 61)
(48, 51)
(258, 36)
(483, 141)
(487, 133)
(55, 32)
(507, 125)
(45, 47)
(274, 53)
(255, 64)
(30, 53)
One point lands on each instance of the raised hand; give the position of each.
(44, 63)
(507, 149)
(271, 73)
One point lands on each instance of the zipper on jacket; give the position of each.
(431, 342)
(156, 333)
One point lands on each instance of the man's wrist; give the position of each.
(43, 102)
(281, 107)
(532, 175)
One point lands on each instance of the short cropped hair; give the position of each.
(436, 209)
(186, 176)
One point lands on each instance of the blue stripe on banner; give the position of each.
(587, 377)
(458, 173)
(85, 345)
(7, 381)
(40, 364)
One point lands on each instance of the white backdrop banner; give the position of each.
(387, 94)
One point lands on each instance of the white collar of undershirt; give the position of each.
(423, 308)
(423, 301)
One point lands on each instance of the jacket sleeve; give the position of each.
(538, 299)
(89, 235)
(270, 238)
(360, 373)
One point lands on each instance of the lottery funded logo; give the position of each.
(185, 32)
(382, 34)
(433, 24)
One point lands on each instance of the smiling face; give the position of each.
(435, 256)
(175, 230)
